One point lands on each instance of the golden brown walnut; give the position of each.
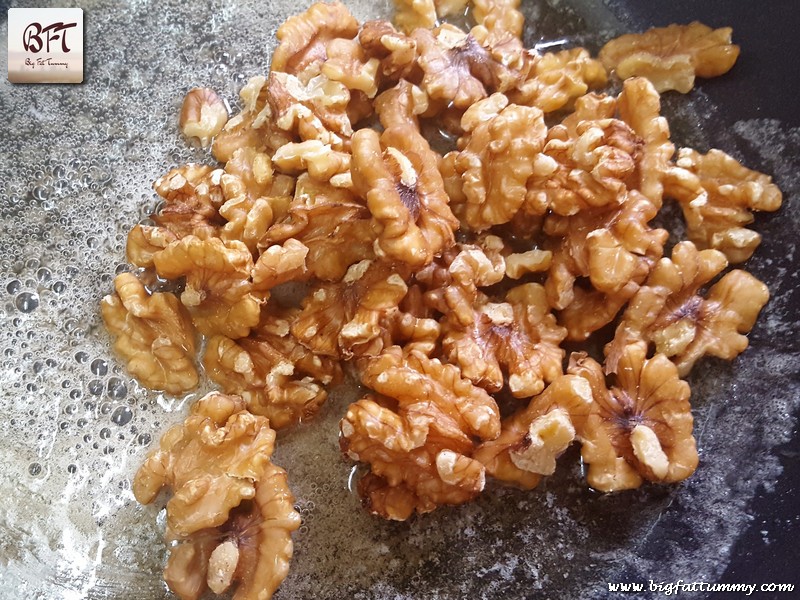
(640, 428)
(670, 57)
(203, 115)
(332, 223)
(396, 51)
(412, 14)
(279, 264)
(533, 438)
(500, 152)
(218, 287)
(315, 110)
(277, 377)
(417, 437)
(515, 341)
(338, 317)
(589, 107)
(718, 196)
(519, 264)
(401, 105)
(669, 313)
(614, 247)
(349, 64)
(145, 241)
(253, 127)
(555, 79)
(303, 38)
(640, 107)
(397, 174)
(231, 513)
(320, 160)
(501, 18)
(154, 334)
(457, 68)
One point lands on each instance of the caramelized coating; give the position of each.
(555, 79)
(718, 196)
(218, 287)
(500, 152)
(417, 439)
(337, 317)
(277, 377)
(670, 57)
(303, 38)
(458, 69)
(640, 107)
(231, 513)
(533, 438)
(669, 313)
(614, 247)
(154, 334)
(334, 226)
(517, 339)
(253, 127)
(315, 110)
(640, 428)
(396, 173)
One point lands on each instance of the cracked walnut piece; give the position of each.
(203, 115)
(669, 313)
(640, 428)
(218, 287)
(718, 196)
(672, 56)
(231, 513)
(153, 333)
(518, 338)
(533, 438)
(397, 174)
(276, 376)
(417, 437)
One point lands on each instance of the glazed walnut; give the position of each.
(154, 334)
(670, 57)
(614, 247)
(231, 513)
(303, 38)
(501, 151)
(278, 264)
(203, 115)
(516, 340)
(396, 173)
(277, 377)
(218, 287)
(718, 197)
(640, 428)
(337, 317)
(669, 313)
(555, 79)
(332, 223)
(417, 437)
(533, 438)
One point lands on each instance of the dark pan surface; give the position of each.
(76, 165)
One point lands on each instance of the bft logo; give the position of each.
(45, 45)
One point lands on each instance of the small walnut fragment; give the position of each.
(533, 438)
(457, 68)
(303, 38)
(669, 313)
(231, 513)
(499, 153)
(670, 57)
(718, 196)
(332, 223)
(277, 377)
(555, 79)
(154, 334)
(218, 287)
(640, 428)
(396, 51)
(397, 174)
(203, 115)
(417, 437)
(518, 339)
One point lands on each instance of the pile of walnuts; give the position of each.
(446, 283)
